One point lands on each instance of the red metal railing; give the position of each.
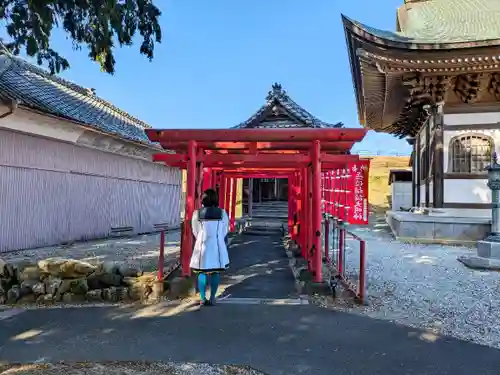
(163, 272)
(338, 234)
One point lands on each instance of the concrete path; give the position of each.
(258, 269)
(278, 340)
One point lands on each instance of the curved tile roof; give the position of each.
(453, 21)
(440, 24)
(279, 96)
(34, 87)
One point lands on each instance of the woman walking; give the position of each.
(210, 227)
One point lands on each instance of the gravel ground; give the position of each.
(140, 251)
(132, 368)
(424, 286)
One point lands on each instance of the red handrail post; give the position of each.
(362, 271)
(290, 206)
(161, 257)
(189, 210)
(234, 187)
(327, 239)
(227, 198)
(222, 191)
(316, 211)
(340, 264)
(304, 227)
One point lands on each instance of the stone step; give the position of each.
(273, 216)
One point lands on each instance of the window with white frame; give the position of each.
(470, 153)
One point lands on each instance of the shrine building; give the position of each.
(435, 81)
(279, 111)
(74, 167)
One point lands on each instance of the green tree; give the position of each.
(97, 24)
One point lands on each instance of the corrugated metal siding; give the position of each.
(52, 192)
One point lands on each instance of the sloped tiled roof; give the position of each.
(439, 24)
(298, 116)
(34, 87)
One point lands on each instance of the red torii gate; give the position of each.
(218, 157)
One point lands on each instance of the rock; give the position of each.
(2, 266)
(128, 271)
(7, 270)
(94, 295)
(29, 272)
(114, 294)
(34, 286)
(75, 286)
(181, 287)
(73, 297)
(29, 298)
(14, 294)
(107, 267)
(45, 299)
(104, 280)
(52, 285)
(39, 288)
(140, 287)
(139, 292)
(157, 291)
(66, 268)
(119, 268)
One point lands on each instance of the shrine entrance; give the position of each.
(323, 190)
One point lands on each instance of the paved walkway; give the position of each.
(259, 269)
(278, 340)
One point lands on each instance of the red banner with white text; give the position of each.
(358, 197)
(345, 192)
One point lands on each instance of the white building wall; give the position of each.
(401, 195)
(53, 191)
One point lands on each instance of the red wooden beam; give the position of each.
(256, 135)
(170, 158)
(326, 146)
(257, 175)
(260, 159)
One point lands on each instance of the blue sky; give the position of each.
(219, 58)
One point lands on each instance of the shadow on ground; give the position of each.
(273, 339)
(259, 269)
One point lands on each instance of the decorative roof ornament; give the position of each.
(275, 92)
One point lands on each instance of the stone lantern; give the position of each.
(488, 250)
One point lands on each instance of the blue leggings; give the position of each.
(214, 285)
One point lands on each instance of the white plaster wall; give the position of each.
(472, 118)
(466, 191)
(53, 191)
(401, 195)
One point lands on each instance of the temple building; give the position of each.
(435, 81)
(279, 111)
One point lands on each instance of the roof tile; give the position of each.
(34, 87)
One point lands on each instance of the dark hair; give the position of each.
(210, 198)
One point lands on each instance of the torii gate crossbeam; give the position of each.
(218, 157)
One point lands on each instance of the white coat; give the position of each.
(210, 251)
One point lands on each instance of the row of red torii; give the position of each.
(324, 178)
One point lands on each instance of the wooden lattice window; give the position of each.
(470, 153)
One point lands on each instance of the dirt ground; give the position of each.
(120, 368)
